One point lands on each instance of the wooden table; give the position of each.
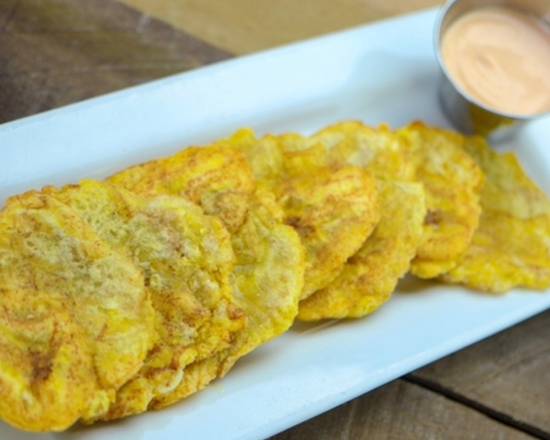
(54, 52)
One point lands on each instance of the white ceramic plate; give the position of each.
(384, 72)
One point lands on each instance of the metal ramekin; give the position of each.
(467, 114)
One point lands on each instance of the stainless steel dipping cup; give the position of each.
(467, 114)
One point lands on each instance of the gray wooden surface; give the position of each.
(54, 52)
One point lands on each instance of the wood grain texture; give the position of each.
(55, 52)
(243, 26)
(401, 410)
(509, 373)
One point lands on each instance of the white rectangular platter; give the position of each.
(384, 72)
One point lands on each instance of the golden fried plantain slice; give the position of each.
(268, 276)
(453, 182)
(267, 249)
(511, 246)
(332, 209)
(94, 321)
(186, 258)
(369, 277)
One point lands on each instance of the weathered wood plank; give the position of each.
(243, 26)
(401, 410)
(55, 52)
(509, 373)
(7, 9)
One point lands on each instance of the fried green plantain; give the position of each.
(268, 275)
(187, 260)
(77, 321)
(511, 246)
(333, 209)
(370, 276)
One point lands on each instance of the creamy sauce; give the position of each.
(501, 58)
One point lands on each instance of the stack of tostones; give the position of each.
(370, 276)
(268, 277)
(127, 295)
(186, 260)
(333, 209)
